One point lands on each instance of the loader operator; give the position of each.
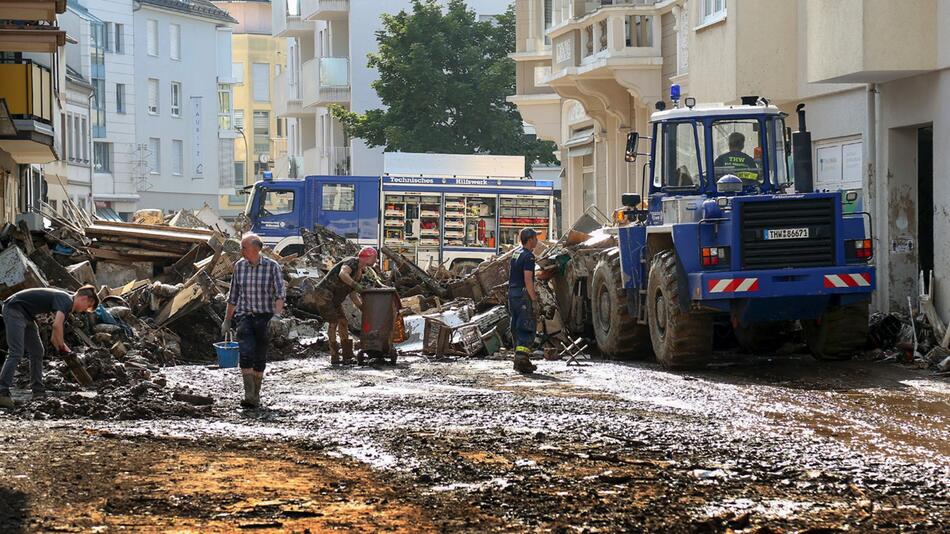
(523, 300)
(342, 281)
(737, 162)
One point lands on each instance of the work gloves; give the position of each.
(225, 327)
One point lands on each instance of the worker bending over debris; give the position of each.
(342, 281)
(256, 295)
(19, 317)
(523, 300)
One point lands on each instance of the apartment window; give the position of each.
(237, 72)
(261, 132)
(713, 10)
(151, 26)
(174, 41)
(548, 19)
(154, 155)
(99, 107)
(119, 47)
(73, 137)
(239, 119)
(178, 157)
(280, 127)
(84, 138)
(260, 80)
(120, 98)
(239, 180)
(109, 33)
(176, 99)
(102, 153)
(153, 96)
(293, 8)
(225, 107)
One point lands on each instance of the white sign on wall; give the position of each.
(197, 158)
(838, 165)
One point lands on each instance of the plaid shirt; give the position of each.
(254, 288)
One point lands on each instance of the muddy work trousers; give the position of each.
(523, 325)
(22, 337)
(252, 337)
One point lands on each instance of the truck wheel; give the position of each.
(681, 339)
(571, 316)
(616, 331)
(841, 331)
(762, 338)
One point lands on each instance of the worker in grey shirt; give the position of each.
(19, 317)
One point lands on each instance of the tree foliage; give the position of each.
(444, 77)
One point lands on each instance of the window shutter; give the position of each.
(260, 78)
(239, 118)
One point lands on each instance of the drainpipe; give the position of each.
(92, 153)
(877, 176)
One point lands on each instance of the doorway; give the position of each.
(925, 200)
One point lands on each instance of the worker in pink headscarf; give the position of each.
(341, 282)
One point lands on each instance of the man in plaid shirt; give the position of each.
(256, 295)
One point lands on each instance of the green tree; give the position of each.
(444, 77)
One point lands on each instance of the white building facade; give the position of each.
(184, 138)
(328, 43)
(104, 56)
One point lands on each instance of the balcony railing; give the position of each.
(614, 31)
(334, 79)
(28, 90)
(338, 160)
(325, 9)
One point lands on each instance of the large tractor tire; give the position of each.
(572, 315)
(839, 333)
(681, 339)
(616, 331)
(763, 338)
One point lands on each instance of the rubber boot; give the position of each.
(523, 364)
(334, 353)
(348, 352)
(248, 401)
(258, 379)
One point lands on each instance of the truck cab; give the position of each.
(348, 205)
(726, 238)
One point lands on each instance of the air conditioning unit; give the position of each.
(34, 221)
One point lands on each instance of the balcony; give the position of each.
(607, 55)
(325, 9)
(27, 92)
(45, 10)
(326, 81)
(286, 20)
(872, 42)
(287, 102)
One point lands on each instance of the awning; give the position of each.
(7, 126)
(581, 143)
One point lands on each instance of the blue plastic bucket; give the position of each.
(227, 353)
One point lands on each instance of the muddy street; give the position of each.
(786, 444)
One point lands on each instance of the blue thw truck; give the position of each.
(450, 220)
(709, 252)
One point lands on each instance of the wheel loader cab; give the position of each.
(692, 148)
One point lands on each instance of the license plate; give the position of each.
(787, 233)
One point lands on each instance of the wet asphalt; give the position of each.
(815, 427)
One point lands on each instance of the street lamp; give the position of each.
(247, 152)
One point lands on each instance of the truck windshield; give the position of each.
(680, 156)
(737, 150)
(277, 202)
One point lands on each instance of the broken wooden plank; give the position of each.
(55, 273)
